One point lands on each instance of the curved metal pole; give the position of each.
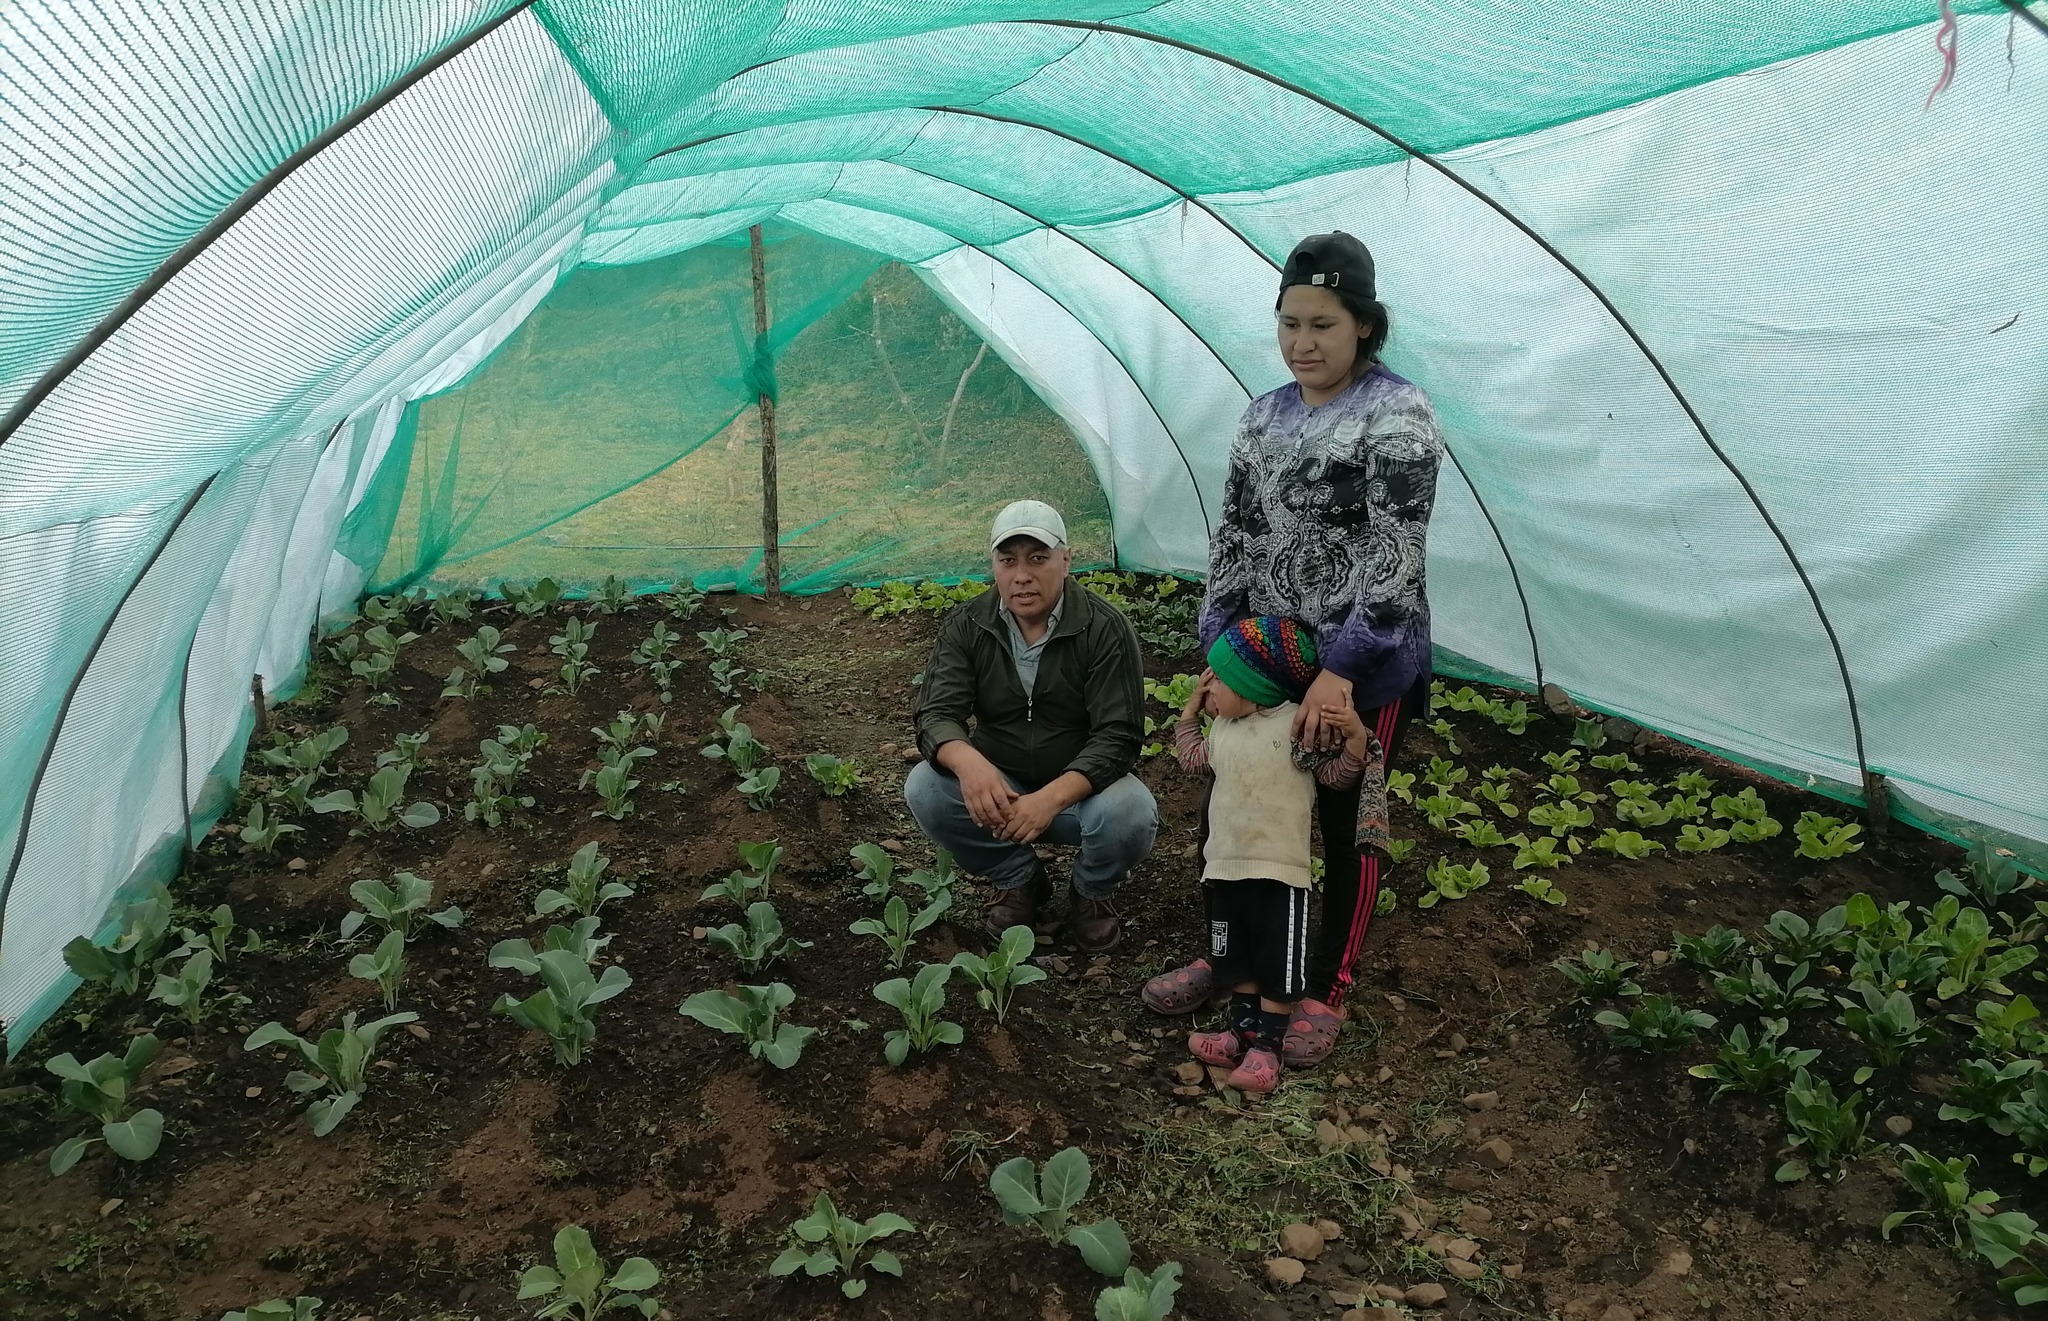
(193, 247)
(35, 782)
(1501, 209)
(2020, 7)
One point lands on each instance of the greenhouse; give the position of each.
(344, 346)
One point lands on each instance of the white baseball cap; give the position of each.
(1029, 518)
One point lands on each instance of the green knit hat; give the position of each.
(1265, 659)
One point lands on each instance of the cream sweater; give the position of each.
(1259, 814)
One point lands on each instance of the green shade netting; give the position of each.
(1735, 331)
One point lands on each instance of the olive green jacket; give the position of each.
(1086, 712)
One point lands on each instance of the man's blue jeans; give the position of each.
(1114, 830)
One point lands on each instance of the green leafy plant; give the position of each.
(1626, 844)
(572, 644)
(399, 906)
(1825, 1129)
(1563, 763)
(1992, 877)
(2024, 1118)
(1445, 774)
(1589, 734)
(1481, 834)
(1825, 836)
(1757, 989)
(142, 928)
(534, 600)
(847, 1246)
(522, 741)
(451, 607)
(1701, 839)
(1046, 1198)
(1560, 818)
(1645, 812)
(920, 1001)
(577, 1286)
(1400, 850)
(377, 662)
(1448, 880)
(1633, 791)
(585, 890)
(1500, 795)
(761, 941)
(183, 987)
(1515, 717)
(493, 783)
(738, 748)
(261, 830)
(759, 788)
(613, 597)
(483, 657)
(99, 1089)
(218, 937)
(405, 752)
(1973, 959)
(684, 601)
(1748, 816)
(563, 1008)
(1597, 975)
(301, 1308)
(382, 804)
(722, 643)
(1616, 763)
(1565, 788)
(998, 974)
(1538, 852)
(1795, 940)
(626, 729)
(2008, 1029)
(1710, 951)
(1971, 1222)
(833, 774)
(615, 786)
(1657, 1023)
(580, 938)
(656, 645)
(744, 887)
(1686, 807)
(1760, 1065)
(1442, 809)
(1539, 887)
(750, 1016)
(898, 927)
(1141, 1297)
(1401, 785)
(384, 966)
(1984, 1087)
(1442, 729)
(1694, 784)
(338, 1064)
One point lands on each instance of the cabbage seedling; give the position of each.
(614, 597)
(1597, 974)
(533, 600)
(301, 1308)
(396, 907)
(846, 1246)
(750, 1016)
(656, 645)
(382, 803)
(1622, 843)
(577, 1285)
(121, 964)
(586, 890)
(759, 788)
(834, 775)
(745, 887)
(920, 1001)
(561, 1009)
(261, 831)
(99, 1090)
(761, 941)
(580, 939)
(482, 657)
(1762, 1065)
(184, 988)
(1448, 880)
(1710, 951)
(898, 927)
(308, 754)
(877, 868)
(684, 602)
(219, 937)
(385, 966)
(339, 1063)
(1046, 1198)
(378, 660)
(1826, 1127)
(1824, 836)
(722, 642)
(1656, 1022)
(614, 786)
(740, 748)
(998, 975)
(406, 753)
(1142, 1297)
(572, 644)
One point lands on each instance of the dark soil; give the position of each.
(473, 1146)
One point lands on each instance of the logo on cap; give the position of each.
(1329, 279)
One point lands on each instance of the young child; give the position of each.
(1256, 862)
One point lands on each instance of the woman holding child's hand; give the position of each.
(1325, 521)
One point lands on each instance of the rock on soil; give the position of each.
(1430, 1295)
(1496, 1154)
(1482, 1100)
(1285, 1271)
(1301, 1242)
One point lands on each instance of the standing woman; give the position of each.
(1325, 521)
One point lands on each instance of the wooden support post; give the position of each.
(771, 514)
(261, 705)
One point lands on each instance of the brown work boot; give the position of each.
(1019, 907)
(1094, 925)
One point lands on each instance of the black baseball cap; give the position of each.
(1332, 261)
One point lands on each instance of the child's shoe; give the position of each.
(1258, 1073)
(1181, 990)
(1312, 1034)
(1223, 1049)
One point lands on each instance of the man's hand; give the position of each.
(1311, 730)
(1030, 816)
(989, 797)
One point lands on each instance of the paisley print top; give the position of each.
(1326, 520)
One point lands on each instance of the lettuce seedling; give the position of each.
(99, 1090)
(1515, 717)
(833, 774)
(1560, 818)
(1589, 734)
(261, 831)
(339, 1063)
(897, 927)
(577, 1286)
(580, 939)
(1757, 989)
(761, 941)
(997, 975)
(1442, 729)
(1762, 1065)
(1826, 1127)
(1539, 887)
(382, 803)
(614, 786)
(1401, 785)
(1825, 836)
(301, 1308)
(143, 926)
(1701, 839)
(397, 907)
(1597, 974)
(1622, 843)
(1656, 1023)
(572, 644)
(385, 966)
(1445, 774)
(722, 642)
(613, 597)
(1500, 794)
(1884, 1022)
(1644, 812)
(750, 1016)
(1538, 852)
(1046, 1198)
(1141, 1297)
(1442, 809)
(1481, 834)
(586, 890)
(482, 657)
(920, 1002)
(1710, 951)
(1617, 763)
(759, 788)
(846, 1248)
(1448, 880)
(562, 1008)
(1563, 763)
(1686, 807)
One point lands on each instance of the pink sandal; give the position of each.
(1312, 1034)
(1223, 1049)
(1258, 1074)
(1181, 991)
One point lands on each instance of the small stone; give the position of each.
(1042, 940)
(1898, 1126)
(1462, 1180)
(1475, 1219)
(1384, 1075)
(1563, 1222)
(1464, 1249)
(1512, 1271)
(1496, 1154)
(1556, 700)
(536, 684)
(296, 864)
(1464, 1270)
(1679, 1263)
(911, 754)
(1618, 1312)
(1426, 1296)
(1330, 1230)
(1301, 1242)
(1285, 1271)
(1799, 1281)
(1187, 1073)
(1392, 1293)
(1710, 1227)
(1482, 1101)
(1458, 1043)
(892, 846)
(1397, 1004)
(888, 748)
(1357, 1136)
(1187, 1091)
(111, 1205)
(1444, 1126)
(1622, 731)
(698, 933)
(1355, 1314)
(1660, 957)
(254, 1197)
(1118, 1035)
(1191, 852)
(1411, 1224)
(416, 1030)
(1219, 1077)
(1342, 1080)
(1330, 1137)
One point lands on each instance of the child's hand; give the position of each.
(1345, 719)
(1198, 699)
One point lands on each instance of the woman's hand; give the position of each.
(1311, 730)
